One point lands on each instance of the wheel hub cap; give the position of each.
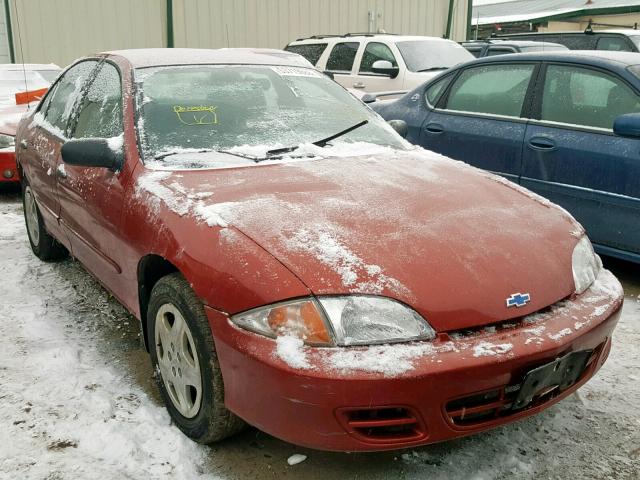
(178, 360)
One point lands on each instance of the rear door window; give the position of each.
(310, 51)
(342, 57)
(581, 96)
(435, 91)
(373, 52)
(491, 89)
(577, 41)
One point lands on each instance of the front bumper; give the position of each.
(8, 167)
(398, 396)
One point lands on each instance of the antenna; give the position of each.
(24, 70)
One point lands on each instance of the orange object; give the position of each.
(30, 96)
(302, 320)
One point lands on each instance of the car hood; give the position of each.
(447, 239)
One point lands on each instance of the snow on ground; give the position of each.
(78, 401)
(67, 412)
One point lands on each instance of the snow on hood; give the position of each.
(443, 237)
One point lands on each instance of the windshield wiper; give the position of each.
(432, 68)
(205, 150)
(319, 143)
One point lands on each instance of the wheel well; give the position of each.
(150, 269)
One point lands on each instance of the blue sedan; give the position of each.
(564, 125)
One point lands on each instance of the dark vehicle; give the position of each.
(565, 125)
(622, 40)
(490, 48)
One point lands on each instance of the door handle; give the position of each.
(23, 144)
(542, 144)
(435, 128)
(359, 85)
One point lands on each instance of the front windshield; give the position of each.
(425, 55)
(207, 107)
(636, 40)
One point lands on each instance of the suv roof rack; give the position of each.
(339, 35)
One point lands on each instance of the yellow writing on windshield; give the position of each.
(196, 115)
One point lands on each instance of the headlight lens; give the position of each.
(586, 265)
(340, 320)
(364, 320)
(7, 141)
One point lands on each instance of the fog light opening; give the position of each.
(8, 173)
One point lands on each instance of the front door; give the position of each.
(367, 79)
(572, 157)
(91, 198)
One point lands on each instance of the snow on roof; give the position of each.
(526, 10)
(28, 66)
(151, 57)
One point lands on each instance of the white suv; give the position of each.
(380, 62)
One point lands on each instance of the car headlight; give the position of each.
(7, 141)
(586, 265)
(339, 320)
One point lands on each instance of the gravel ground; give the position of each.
(79, 401)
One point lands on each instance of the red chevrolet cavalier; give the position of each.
(296, 265)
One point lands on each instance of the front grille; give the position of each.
(383, 424)
(487, 407)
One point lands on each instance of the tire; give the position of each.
(184, 360)
(44, 246)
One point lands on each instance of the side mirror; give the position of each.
(399, 126)
(329, 74)
(92, 152)
(384, 67)
(369, 98)
(627, 125)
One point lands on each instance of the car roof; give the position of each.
(517, 43)
(366, 36)
(28, 66)
(594, 57)
(152, 57)
(619, 31)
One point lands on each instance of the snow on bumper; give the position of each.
(396, 396)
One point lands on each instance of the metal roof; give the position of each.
(151, 57)
(529, 10)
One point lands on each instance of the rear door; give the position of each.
(341, 62)
(481, 119)
(572, 157)
(39, 149)
(91, 199)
